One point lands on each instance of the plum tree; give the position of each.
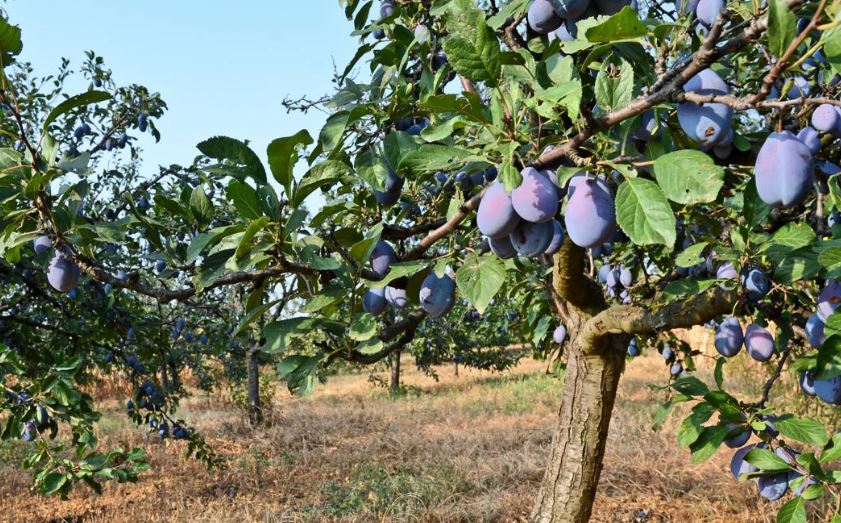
(784, 170)
(591, 108)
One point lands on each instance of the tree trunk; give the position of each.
(164, 378)
(394, 384)
(456, 364)
(575, 462)
(255, 410)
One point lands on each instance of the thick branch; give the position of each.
(631, 319)
(570, 283)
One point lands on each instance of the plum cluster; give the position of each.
(523, 222)
(773, 485)
(561, 17)
(757, 340)
(829, 299)
(617, 281)
(437, 293)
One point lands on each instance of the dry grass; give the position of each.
(468, 448)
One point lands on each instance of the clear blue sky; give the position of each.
(222, 67)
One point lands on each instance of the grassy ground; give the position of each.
(468, 448)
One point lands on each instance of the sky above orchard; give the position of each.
(222, 67)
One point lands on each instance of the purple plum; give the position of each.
(759, 342)
(784, 170)
(536, 199)
(496, 217)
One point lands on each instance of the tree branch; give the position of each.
(631, 319)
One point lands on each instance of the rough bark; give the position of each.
(394, 363)
(255, 409)
(575, 462)
(598, 339)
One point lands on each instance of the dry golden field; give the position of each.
(467, 448)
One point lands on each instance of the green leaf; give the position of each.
(689, 177)
(433, 157)
(794, 511)
(363, 328)
(361, 250)
(245, 199)
(829, 358)
(480, 278)
(690, 385)
(200, 205)
(238, 154)
(755, 210)
(462, 105)
(399, 270)
(782, 27)
(279, 334)
(707, 443)
(644, 214)
(766, 461)
(319, 176)
(692, 255)
(805, 430)
(478, 60)
(830, 258)
(283, 155)
(53, 482)
(80, 100)
(687, 287)
(246, 243)
(614, 85)
(624, 25)
(328, 296)
(691, 427)
(719, 372)
(833, 452)
(334, 129)
(10, 42)
(831, 39)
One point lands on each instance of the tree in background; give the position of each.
(607, 172)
